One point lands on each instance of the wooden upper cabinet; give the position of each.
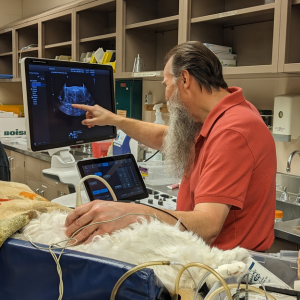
(289, 46)
(57, 35)
(250, 27)
(26, 43)
(151, 30)
(6, 52)
(96, 24)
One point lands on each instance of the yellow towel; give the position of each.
(18, 205)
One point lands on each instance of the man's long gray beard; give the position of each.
(179, 141)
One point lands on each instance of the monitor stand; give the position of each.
(63, 166)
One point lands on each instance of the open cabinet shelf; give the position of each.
(99, 20)
(140, 11)
(57, 30)
(202, 8)
(251, 31)
(52, 52)
(6, 64)
(151, 30)
(289, 54)
(152, 46)
(27, 35)
(6, 43)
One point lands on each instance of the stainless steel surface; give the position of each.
(288, 165)
(288, 230)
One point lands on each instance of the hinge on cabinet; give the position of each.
(24, 163)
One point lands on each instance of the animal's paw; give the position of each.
(234, 269)
(241, 254)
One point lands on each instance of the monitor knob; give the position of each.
(160, 202)
(150, 201)
(156, 196)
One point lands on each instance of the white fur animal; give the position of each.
(148, 241)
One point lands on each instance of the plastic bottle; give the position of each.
(278, 216)
(158, 118)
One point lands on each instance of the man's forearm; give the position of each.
(194, 221)
(149, 134)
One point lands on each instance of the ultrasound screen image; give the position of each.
(74, 95)
(52, 92)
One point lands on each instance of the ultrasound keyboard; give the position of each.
(159, 200)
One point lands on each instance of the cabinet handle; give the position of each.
(37, 191)
(42, 193)
(11, 164)
(59, 193)
(8, 158)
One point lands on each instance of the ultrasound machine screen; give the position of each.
(50, 87)
(122, 174)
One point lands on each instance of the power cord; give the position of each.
(209, 269)
(151, 156)
(25, 48)
(235, 285)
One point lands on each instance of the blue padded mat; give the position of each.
(29, 274)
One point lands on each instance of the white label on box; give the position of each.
(259, 274)
(12, 127)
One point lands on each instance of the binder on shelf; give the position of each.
(113, 57)
(93, 59)
(99, 55)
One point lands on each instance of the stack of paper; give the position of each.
(224, 54)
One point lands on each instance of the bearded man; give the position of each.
(216, 142)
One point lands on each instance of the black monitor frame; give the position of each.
(28, 104)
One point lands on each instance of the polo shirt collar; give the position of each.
(236, 97)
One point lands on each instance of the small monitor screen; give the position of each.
(122, 174)
(51, 89)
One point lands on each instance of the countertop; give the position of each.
(288, 230)
(19, 145)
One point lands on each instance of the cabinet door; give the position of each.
(33, 168)
(34, 184)
(61, 188)
(49, 192)
(17, 165)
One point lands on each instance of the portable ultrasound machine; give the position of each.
(52, 124)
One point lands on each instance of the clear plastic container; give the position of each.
(154, 174)
(285, 269)
(278, 216)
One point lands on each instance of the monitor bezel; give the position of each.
(28, 105)
(82, 163)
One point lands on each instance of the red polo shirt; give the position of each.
(235, 164)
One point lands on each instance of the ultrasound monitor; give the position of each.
(50, 87)
(120, 171)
